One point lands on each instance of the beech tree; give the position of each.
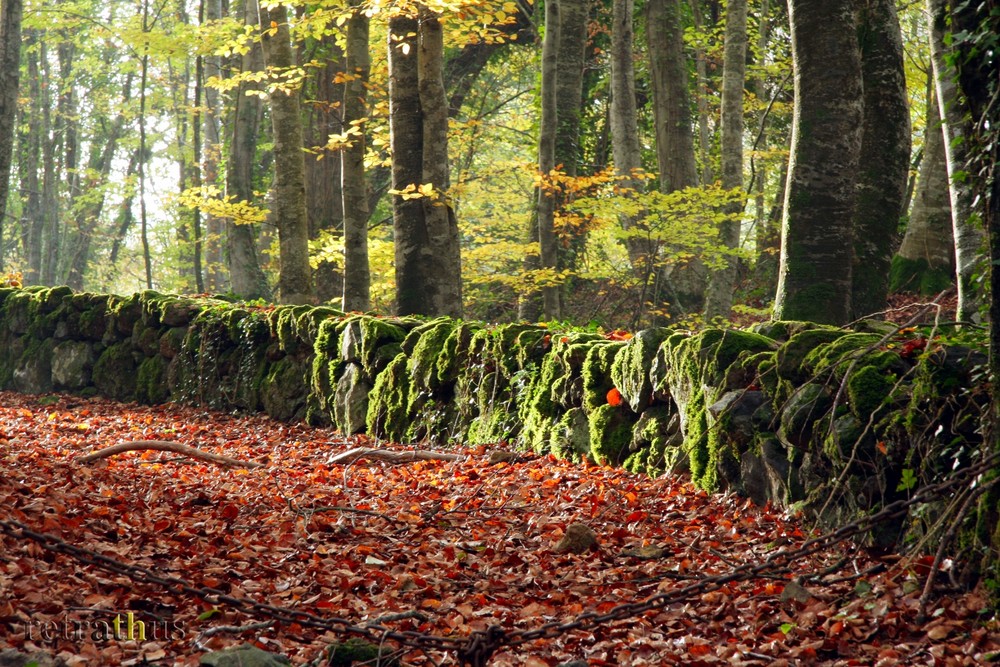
(814, 279)
(10, 68)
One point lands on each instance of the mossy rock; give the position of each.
(424, 345)
(596, 373)
(869, 390)
(284, 321)
(630, 372)
(116, 372)
(284, 390)
(656, 445)
(455, 352)
(388, 402)
(807, 404)
(123, 312)
(610, 434)
(33, 371)
(790, 359)
(362, 338)
(356, 652)
(350, 400)
(570, 435)
(539, 412)
(151, 382)
(72, 365)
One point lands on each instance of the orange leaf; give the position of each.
(614, 397)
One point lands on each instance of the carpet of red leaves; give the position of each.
(466, 543)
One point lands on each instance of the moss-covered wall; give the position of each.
(836, 422)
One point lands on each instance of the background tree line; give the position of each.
(594, 160)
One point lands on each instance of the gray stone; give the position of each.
(350, 342)
(72, 363)
(735, 410)
(350, 400)
(571, 434)
(244, 655)
(33, 372)
(807, 404)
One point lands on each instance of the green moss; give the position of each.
(610, 434)
(454, 356)
(115, 372)
(791, 356)
(868, 389)
(596, 373)
(539, 412)
(838, 353)
(388, 401)
(917, 275)
(357, 651)
(151, 382)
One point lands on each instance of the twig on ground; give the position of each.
(168, 446)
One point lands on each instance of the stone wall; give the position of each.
(835, 422)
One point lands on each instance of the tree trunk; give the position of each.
(442, 227)
(324, 194)
(675, 154)
(969, 236)
(29, 164)
(247, 280)
(547, 134)
(289, 212)
(926, 258)
(814, 281)
(11, 13)
(215, 229)
(624, 124)
(885, 157)
(357, 278)
(719, 295)
(406, 141)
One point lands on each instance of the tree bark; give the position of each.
(215, 229)
(675, 152)
(442, 226)
(885, 157)
(324, 115)
(294, 273)
(814, 281)
(719, 295)
(970, 241)
(547, 134)
(11, 13)
(926, 258)
(29, 162)
(624, 125)
(246, 278)
(357, 278)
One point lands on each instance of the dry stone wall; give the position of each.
(836, 422)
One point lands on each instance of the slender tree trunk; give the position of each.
(357, 277)
(970, 240)
(294, 279)
(814, 281)
(926, 258)
(548, 131)
(719, 296)
(215, 228)
(11, 12)
(324, 195)
(246, 277)
(29, 164)
(624, 123)
(702, 93)
(885, 157)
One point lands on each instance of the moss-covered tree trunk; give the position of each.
(814, 281)
(885, 156)
(926, 258)
(289, 201)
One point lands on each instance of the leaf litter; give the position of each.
(445, 548)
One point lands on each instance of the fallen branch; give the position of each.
(358, 453)
(167, 446)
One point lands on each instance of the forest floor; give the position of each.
(449, 547)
